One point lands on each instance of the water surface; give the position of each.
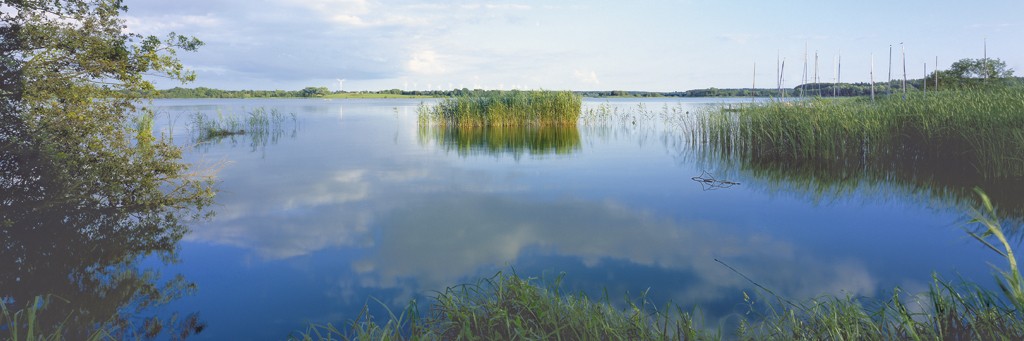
(353, 201)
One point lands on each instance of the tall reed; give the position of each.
(959, 139)
(505, 108)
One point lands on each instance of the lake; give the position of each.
(353, 202)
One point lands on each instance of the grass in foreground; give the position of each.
(507, 307)
(505, 108)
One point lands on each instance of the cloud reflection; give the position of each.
(414, 235)
(417, 223)
(440, 241)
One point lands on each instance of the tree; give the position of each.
(979, 68)
(315, 91)
(80, 168)
(973, 72)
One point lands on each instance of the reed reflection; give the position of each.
(504, 140)
(827, 152)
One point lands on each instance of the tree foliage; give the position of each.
(87, 188)
(975, 72)
(315, 91)
(980, 68)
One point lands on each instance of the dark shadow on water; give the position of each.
(79, 242)
(513, 140)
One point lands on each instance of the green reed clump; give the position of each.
(507, 307)
(968, 130)
(937, 146)
(947, 311)
(505, 108)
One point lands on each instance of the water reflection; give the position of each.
(438, 241)
(410, 238)
(421, 222)
(936, 184)
(825, 157)
(69, 240)
(382, 207)
(511, 140)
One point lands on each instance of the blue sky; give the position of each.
(577, 45)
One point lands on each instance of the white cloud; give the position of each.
(503, 43)
(163, 24)
(425, 62)
(589, 78)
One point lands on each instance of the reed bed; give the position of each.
(508, 307)
(972, 131)
(505, 108)
(942, 144)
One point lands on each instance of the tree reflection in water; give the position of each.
(77, 237)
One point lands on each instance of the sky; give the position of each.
(573, 45)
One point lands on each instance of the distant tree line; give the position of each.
(963, 73)
(201, 92)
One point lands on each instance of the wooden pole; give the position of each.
(803, 78)
(924, 79)
(839, 71)
(817, 83)
(778, 71)
(753, 83)
(984, 58)
(835, 74)
(872, 77)
(782, 79)
(903, 53)
(888, 84)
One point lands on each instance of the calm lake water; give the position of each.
(352, 202)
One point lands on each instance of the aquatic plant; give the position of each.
(970, 130)
(259, 124)
(942, 145)
(504, 108)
